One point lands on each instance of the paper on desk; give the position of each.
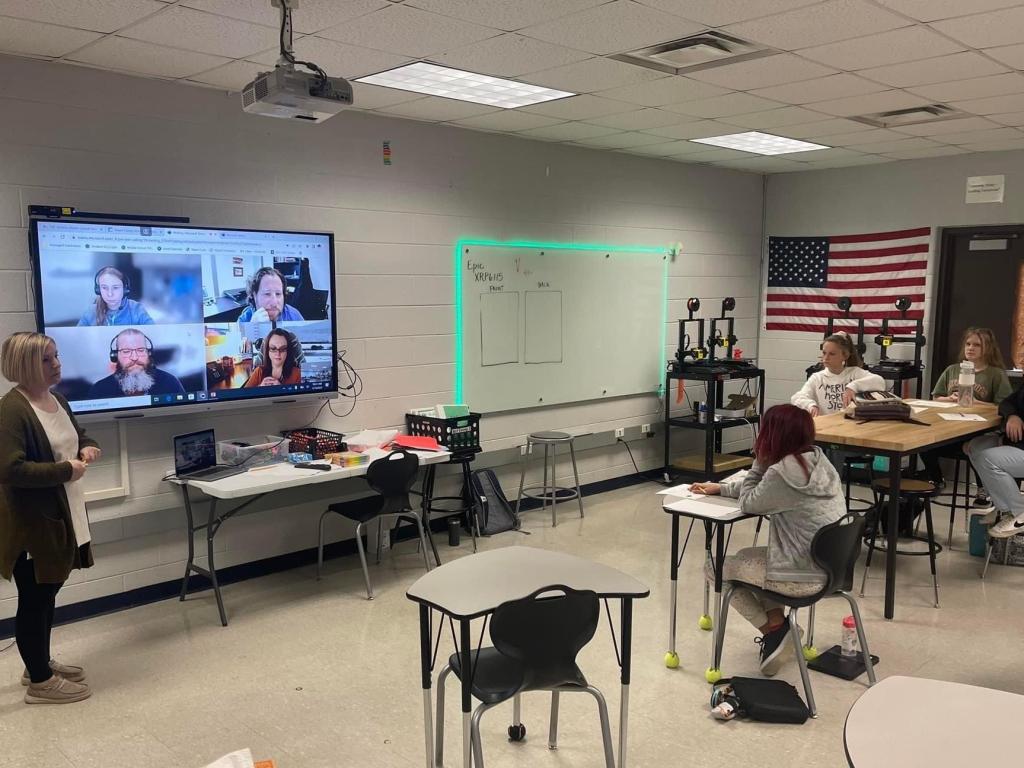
(930, 404)
(680, 492)
(961, 417)
(702, 508)
(240, 759)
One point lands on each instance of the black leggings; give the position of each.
(34, 620)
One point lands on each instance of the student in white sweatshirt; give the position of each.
(832, 388)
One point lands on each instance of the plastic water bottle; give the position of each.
(849, 646)
(965, 383)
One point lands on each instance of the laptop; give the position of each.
(195, 458)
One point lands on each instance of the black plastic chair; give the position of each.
(835, 549)
(392, 477)
(536, 641)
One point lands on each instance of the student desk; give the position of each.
(717, 513)
(894, 440)
(249, 487)
(474, 586)
(917, 723)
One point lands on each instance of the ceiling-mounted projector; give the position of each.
(289, 93)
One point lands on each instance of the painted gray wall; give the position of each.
(106, 142)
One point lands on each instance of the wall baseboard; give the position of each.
(122, 601)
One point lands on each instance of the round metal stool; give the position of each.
(549, 493)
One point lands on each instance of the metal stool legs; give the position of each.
(549, 492)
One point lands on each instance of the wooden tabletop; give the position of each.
(901, 437)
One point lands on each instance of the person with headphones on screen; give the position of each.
(132, 352)
(112, 305)
(265, 291)
(280, 361)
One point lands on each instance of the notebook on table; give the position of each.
(195, 458)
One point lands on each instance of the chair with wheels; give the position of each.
(835, 549)
(392, 477)
(536, 641)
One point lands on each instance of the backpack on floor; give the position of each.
(495, 513)
(769, 701)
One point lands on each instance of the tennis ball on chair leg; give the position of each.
(705, 623)
(713, 675)
(810, 653)
(672, 660)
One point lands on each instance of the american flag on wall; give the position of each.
(807, 275)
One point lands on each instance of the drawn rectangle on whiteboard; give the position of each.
(499, 328)
(543, 327)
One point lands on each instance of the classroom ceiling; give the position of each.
(827, 62)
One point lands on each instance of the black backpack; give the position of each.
(494, 512)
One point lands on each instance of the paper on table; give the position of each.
(240, 759)
(703, 509)
(679, 491)
(961, 417)
(930, 403)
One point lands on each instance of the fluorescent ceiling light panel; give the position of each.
(760, 143)
(464, 86)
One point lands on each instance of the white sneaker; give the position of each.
(1006, 528)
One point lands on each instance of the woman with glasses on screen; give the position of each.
(112, 305)
(44, 529)
(280, 361)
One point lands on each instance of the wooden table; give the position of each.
(894, 440)
(917, 723)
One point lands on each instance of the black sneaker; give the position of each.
(776, 649)
(982, 501)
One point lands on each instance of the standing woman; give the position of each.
(44, 530)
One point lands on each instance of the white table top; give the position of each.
(717, 508)
(277, 477)
(912, 722)
(475, 585)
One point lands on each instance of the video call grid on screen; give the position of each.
(154, 316)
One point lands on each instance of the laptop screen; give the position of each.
(194, 451)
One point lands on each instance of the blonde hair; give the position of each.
(102, 310)
(845, 343)
(991, 355)
(21, 358)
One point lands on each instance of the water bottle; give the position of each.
(965, 383)
(849, 646)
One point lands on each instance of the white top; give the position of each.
(825, 389)
(916, 723)
(64, 443)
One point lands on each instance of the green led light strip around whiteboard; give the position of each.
(461, 245)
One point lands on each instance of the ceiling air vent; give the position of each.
(703, 51)
(931, 113)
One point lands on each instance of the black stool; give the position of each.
(851, 463)
(909, 490)
(468, 510)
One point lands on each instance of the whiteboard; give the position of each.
(541, 324)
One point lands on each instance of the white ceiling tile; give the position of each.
(621, 140)
(310, 16)
(580, 107)
(776, 118)
(698, 129)
(993, 105)
(203, 32)
(955, 66)
(761, 73)
(35, 39)
(508, 55)
(665, 90)
(92, 15)
(593, 74)
(920, 154)
(986, 30)
(820, 89)
(763, 165)
(818, 24)
(671, 148)
(1008, 54)
(723, 106)
(932, 10)
(995, 146)
(892, 47)
(882, 147)
(507, 121)
(870, 103)
(407, 31)
(637, 120)
(146, 58)
(846, 162)
(502, 14)
(861, 138)
(568, 132)
(233, 76)
(975, 87)
(941, 127)
(614, 27)
(338, 59)
(436, 109)
(366, 96)
(815, 130)
(978, 137)
(1008, 118)
(717, 13)
(823, 155)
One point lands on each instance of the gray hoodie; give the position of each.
(799, 506)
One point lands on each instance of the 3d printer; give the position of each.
(711, 350)
(844, 304)
(900, 370)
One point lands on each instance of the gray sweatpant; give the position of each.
(750, 565)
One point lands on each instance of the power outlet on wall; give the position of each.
(620, 432)
(645, 430)
(522, 450)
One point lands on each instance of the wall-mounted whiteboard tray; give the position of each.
(545, 323)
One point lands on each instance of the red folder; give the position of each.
(416, 443)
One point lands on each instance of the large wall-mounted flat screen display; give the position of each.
(154, 316)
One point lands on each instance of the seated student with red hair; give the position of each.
(793, 481)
